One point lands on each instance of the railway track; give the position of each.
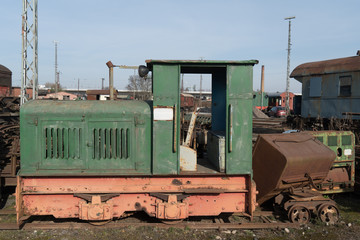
(214, 224)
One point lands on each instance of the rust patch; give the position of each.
(176, 182)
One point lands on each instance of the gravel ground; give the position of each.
(308, 232)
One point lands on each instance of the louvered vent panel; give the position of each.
(62, 143)
(111, 143)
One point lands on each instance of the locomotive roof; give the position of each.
(199, 63)
(242, 62)
(199, 66)
(339, 65)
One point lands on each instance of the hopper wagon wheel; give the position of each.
(299, 214)
(328, 213)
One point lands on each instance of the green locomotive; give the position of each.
(96, 160)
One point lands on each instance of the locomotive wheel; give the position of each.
(171, 222)
(299, 214)
(328, 213)
(100, 223)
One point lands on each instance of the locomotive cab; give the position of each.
(229, 140)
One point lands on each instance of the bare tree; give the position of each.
(141, 87)
(52, 86)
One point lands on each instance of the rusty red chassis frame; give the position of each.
(105, 198)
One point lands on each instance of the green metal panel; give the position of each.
(85, 137)
(338, 141)
(239, 120)
(343, 145)
(112, 145)
(62, 143)
(166, 95)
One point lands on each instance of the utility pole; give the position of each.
(287, 106)
(29, 35)
(56, 71)
(102, 83)
(78, 87)
(135, 88)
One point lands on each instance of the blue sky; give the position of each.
(129, 32)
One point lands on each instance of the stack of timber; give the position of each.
(262, 124)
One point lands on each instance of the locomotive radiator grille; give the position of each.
(111, 143)
(63, 143)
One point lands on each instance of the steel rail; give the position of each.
(185, 225)
(217, 224)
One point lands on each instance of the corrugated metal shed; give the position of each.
(340, 65)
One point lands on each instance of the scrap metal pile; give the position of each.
(9, 139)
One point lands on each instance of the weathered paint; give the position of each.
(165, 137)
(69, 138)
(67, 206)
(198, 196)
(341, 177)
(216, 149)
(231, 110)
(239, 120)
(188, 159)
(186, 184)
(85, 138)
(149, 146)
